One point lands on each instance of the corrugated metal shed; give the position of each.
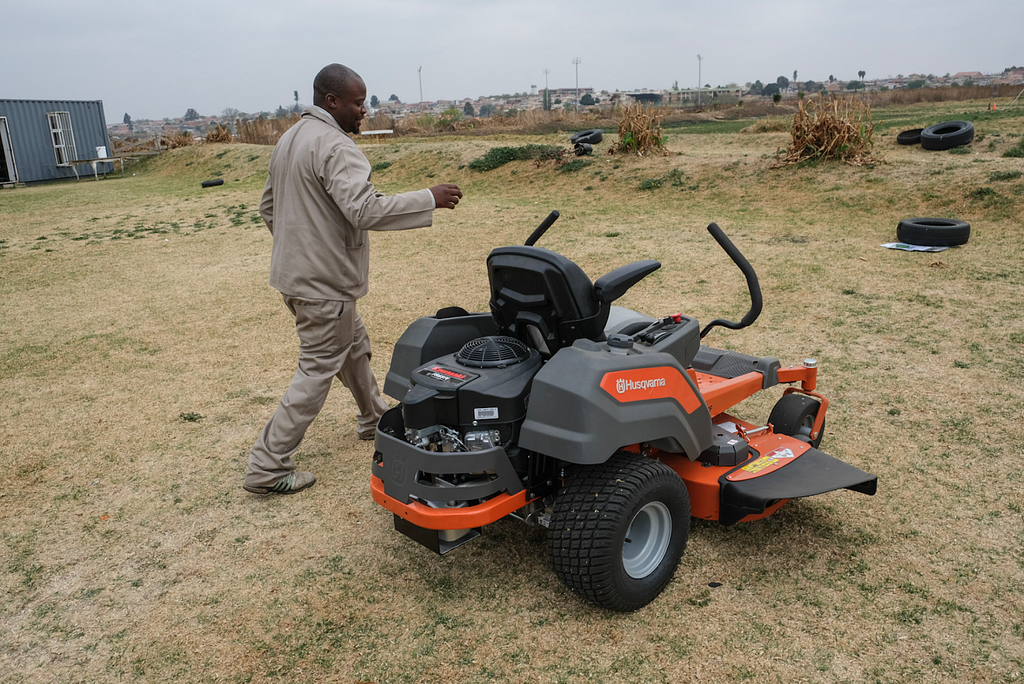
(29, 144)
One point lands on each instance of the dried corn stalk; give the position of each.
(831, 128)
(220, 134)
(639, 132)
(178, 139)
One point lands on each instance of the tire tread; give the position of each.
(586, 518)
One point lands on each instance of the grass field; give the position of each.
(141, 351)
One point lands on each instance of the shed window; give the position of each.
(63, 138)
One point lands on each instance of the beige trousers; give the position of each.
(333, 343)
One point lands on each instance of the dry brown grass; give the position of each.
(142, 350)
(264, 131)
(828, 128)
(961, 94)
(768, 126)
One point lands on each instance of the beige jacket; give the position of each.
(319, 203)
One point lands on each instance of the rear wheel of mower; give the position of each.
(794, 415)
(618, 531)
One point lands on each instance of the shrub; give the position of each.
(448, 118)
(499, 156)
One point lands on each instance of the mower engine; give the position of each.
(472, 400)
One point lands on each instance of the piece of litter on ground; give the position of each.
(714, 585)
(913, 248)
(104, 517)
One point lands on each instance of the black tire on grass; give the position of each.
(933, 232)
(591, 136)
(947, 135)
(911, 137)
(212, 183)
(618, 530)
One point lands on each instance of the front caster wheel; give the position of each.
(618, 530)
(794, 415)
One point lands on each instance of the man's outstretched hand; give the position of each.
(446, 196)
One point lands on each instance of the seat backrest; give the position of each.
(543, 299)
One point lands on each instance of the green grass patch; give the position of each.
(575, 165)
(499, 156)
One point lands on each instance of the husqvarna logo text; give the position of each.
(622, 385)
(651, 384)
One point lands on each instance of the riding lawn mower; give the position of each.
(606, 426)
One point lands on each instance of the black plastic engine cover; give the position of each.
(445, 392)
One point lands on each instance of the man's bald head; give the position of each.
(340, 92)
(333, 78)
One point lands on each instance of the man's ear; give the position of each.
(330, 100)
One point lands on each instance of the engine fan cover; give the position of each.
(494, 351)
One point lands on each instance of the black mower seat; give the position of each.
(542, 298)
(548, 302)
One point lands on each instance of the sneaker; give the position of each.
(367, 436)
(292, 483)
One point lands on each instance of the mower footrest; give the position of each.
(813, 473)
(729, 364)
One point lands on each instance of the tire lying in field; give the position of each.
(212, 183)
(591, 136)
(933, 232)
(947, 135)
(911, 137)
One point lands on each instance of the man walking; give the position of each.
(319, 204)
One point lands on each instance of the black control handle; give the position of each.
(542, 228)
(752, 285)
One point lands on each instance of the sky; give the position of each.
(156, 60)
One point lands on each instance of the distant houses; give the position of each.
(566, 97)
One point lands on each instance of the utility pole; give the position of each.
(420, 72)
(577, 61)
(699, 58)
(547, 94)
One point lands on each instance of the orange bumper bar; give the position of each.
(429, 518)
